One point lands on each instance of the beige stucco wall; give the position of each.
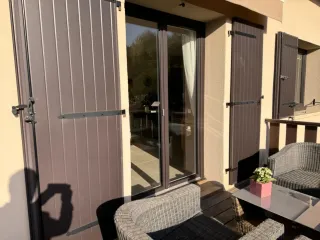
(217, 132)
(215, 49)
(301, 19)
(226, 111)
(301, 25)
(13, 208)
(271, 29)
(126, 155)
(312, 78)
(216, 94)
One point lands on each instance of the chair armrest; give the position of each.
(301, 237)
(126, 227)
(286, 160)
(268, 230)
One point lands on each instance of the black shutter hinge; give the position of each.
(233, 33)
(291, 104)
(117, 2)
(231, 169)
(119, 5)
(231, 104)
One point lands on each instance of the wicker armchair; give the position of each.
(177, 215)
(297, 166)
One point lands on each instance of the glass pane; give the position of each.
(144, 103)
(182, 101)
(298, 93)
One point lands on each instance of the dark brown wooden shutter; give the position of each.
(285, 77)
(245, 96)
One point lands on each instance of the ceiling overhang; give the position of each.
(268, 8)
(191, 11)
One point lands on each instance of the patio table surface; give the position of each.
(286, 203)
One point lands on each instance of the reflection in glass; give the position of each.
(143, 99)
(182, 101)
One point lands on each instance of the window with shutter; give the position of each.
(285, 76)
(296, 82)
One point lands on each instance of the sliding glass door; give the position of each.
(163, 85)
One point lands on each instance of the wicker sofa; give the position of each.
(177, 215)
(297, 166)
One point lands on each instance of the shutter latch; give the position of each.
(16, 109)
(30, 116)
(282, 77)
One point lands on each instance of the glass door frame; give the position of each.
(164, 19)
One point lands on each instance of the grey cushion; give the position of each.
(299, 179)
(199, 227)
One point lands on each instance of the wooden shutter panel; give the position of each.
(285, 77)
(246, 82)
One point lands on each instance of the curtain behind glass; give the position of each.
(189, 39)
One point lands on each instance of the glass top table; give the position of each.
(287, 203)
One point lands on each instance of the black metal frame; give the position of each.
(164, 19)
